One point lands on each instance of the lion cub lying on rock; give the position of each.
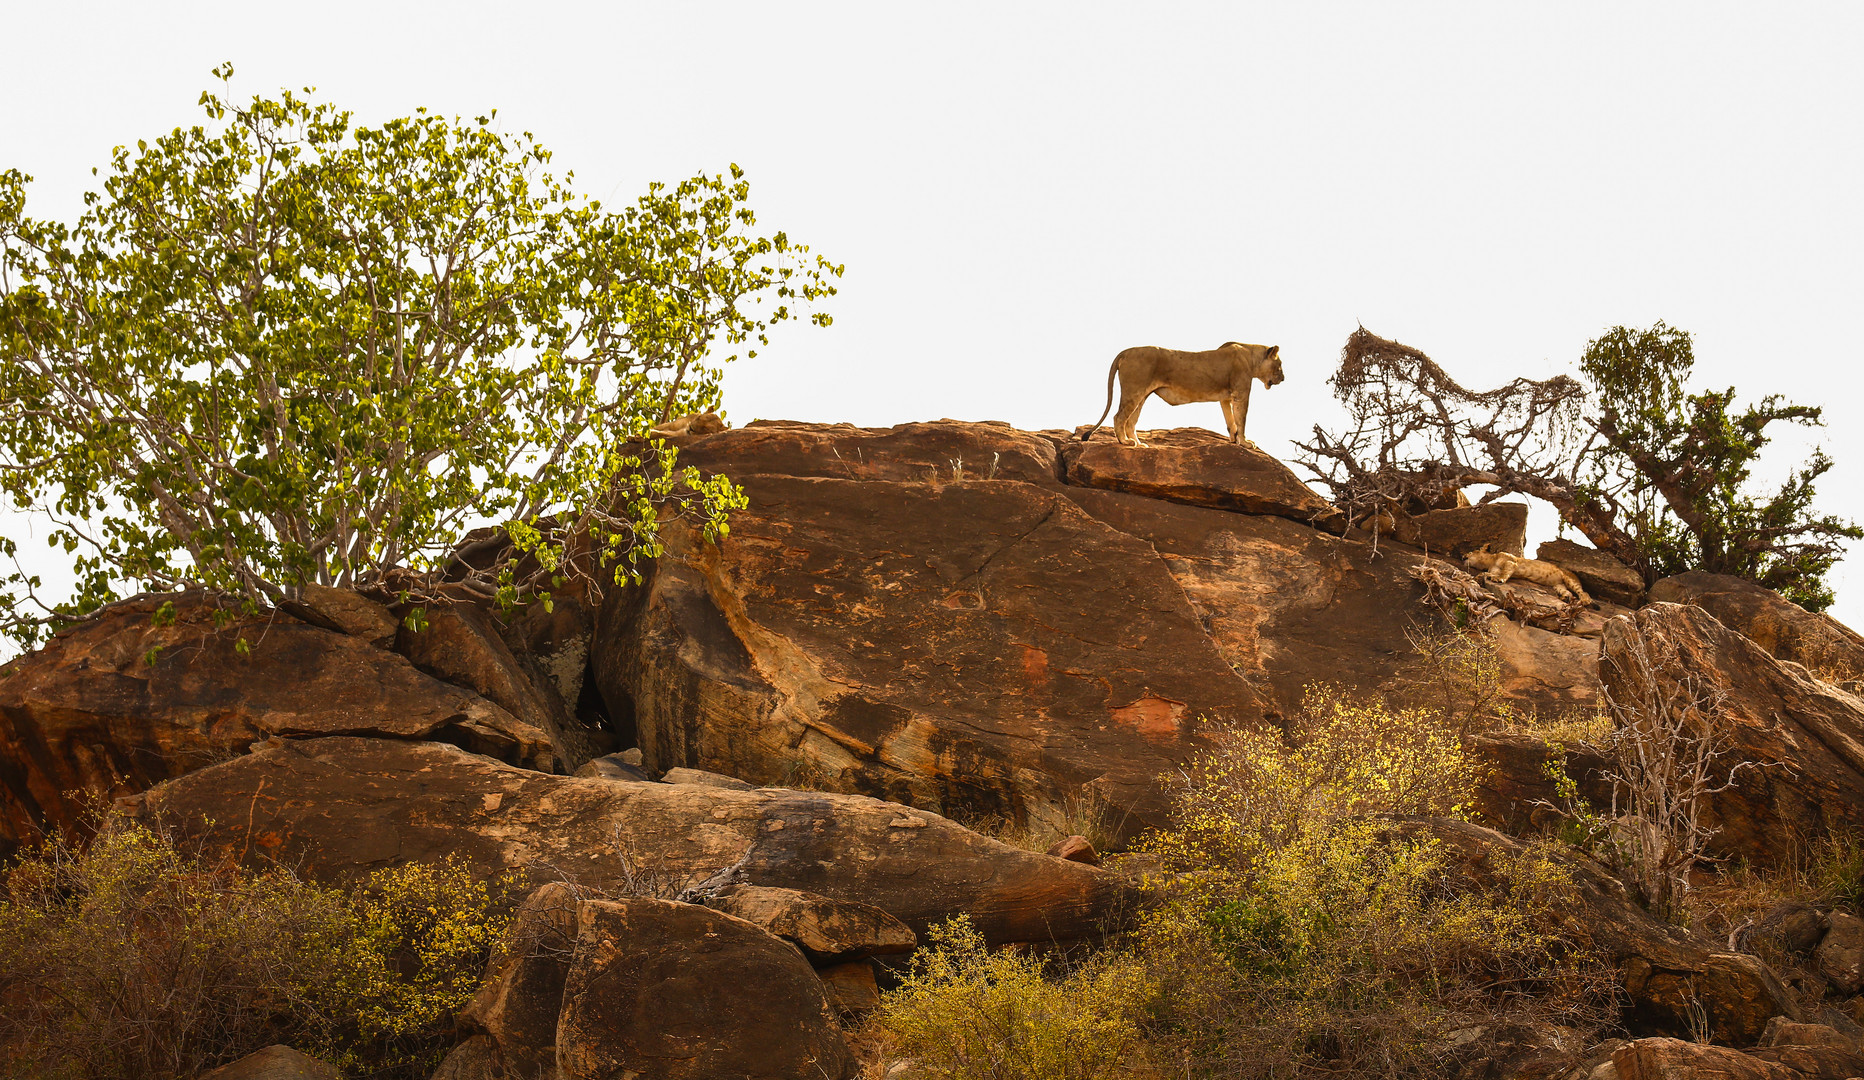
(1501, 566)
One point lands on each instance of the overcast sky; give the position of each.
(1020, 191)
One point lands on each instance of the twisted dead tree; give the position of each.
(1416, 437)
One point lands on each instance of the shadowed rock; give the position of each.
(117, 703)
(1803, 738)
(340, 808)
(681, 992)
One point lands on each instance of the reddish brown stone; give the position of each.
(827, 931)
(1803, 738)
(116, 703)
(1828, 648)
(983, 647)
(681, 992)
(1075, 849)
(340, 808)
(1198, 468)
(1675, 1059)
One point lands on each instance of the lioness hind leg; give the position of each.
(1126, 420)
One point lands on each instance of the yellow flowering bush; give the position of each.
(963, 1012)
(1333, 939)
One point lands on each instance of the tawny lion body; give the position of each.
(1222, 374)
(699, 423)
(1501, 566)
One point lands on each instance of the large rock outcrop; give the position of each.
(118, 702)
(1802, 740)
(338, 808)
(989, 622)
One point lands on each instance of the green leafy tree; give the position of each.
(1676, 465)
(280, 349)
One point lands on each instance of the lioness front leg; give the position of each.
(1236, 411)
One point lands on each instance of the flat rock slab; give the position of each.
(118, 703)
(937, 451)
(1198, 468)
(829, 932)
(1604, 577)
(340, 808)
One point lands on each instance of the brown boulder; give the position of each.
(514, 1015)
(1674, 1059)
(1285, 606)
(1075, 849)
(1546, 669)
(1604, 577)
(461, 644)
(340, 808)
(277, 1062)
(1198, 468)
(1840, 954)
(1804, 738)
(346, 611)
(985, 648)
(681, 992)
(1667, 975)
(1828, 648)
(708, 779)
(852, 988)
(117, 703)
(829, 932)
(1454, 533)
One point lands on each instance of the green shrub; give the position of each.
(129, 958)
(1325, 937)
(966, 1013)
(1300, 929)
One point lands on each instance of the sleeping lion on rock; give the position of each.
(1502, 566)
(1222, 374)
(699, 423)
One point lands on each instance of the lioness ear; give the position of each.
(1274, 351)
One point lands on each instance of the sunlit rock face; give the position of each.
(985, 621)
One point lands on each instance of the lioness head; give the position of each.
(1271, 365)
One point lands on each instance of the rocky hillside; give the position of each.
(908, 628)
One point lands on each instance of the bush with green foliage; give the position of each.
(1677, 465)
(963, 1012)
(281, 349)
(128, 958)
(1301, 930)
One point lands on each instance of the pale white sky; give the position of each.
(1021, 190)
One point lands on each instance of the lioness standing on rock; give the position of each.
(1222, 374)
